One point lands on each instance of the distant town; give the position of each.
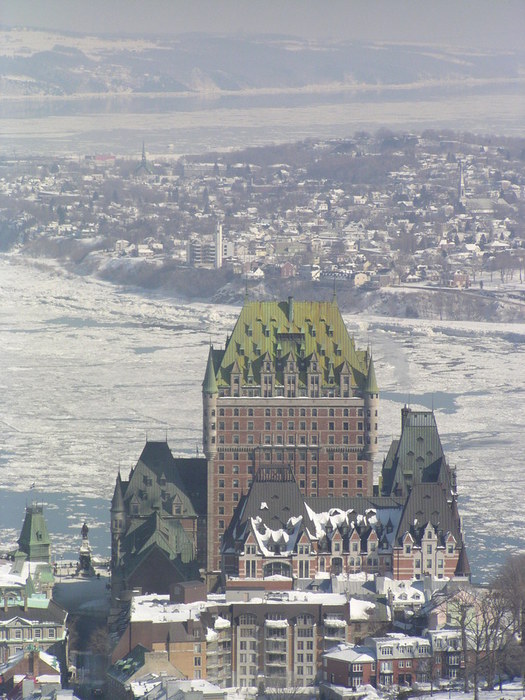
(412, 225)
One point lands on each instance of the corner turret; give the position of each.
(118, 520)
(371, 397)
(209, 400)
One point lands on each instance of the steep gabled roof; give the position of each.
(165, 533)
(274, 497)
(428, 503)
(155, 482)
(296, 330)
(417, 457)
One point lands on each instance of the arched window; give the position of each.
(337, 566)
(277, 568)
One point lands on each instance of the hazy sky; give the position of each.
(473, 23)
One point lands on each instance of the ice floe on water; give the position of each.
(89, 371)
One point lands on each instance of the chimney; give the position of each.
(25, 602)
(290, 309)
(6, 603)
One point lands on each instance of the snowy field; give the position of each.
(88, 371)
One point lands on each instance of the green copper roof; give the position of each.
(293, 330)
(209, 385)
(371, 381)
(34, 538)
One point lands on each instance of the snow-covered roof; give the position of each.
(159, 608)
(279, 542)
(360, 609)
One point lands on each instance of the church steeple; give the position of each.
(143, 166)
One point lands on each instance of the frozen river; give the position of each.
(88, 371)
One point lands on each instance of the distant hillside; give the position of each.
(43, 63)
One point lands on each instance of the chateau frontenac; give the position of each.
(285, 487)
(289, 388)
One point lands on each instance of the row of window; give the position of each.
(302, 412)
(302, 470)
(30, 633)
(291, 425)
(290, 439)
(291, 456)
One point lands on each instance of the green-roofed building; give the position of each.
(158, 522)
(34, 539)
(288, 388)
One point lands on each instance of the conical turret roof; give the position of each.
(371, 381)
(117, 502)
(209, 385)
